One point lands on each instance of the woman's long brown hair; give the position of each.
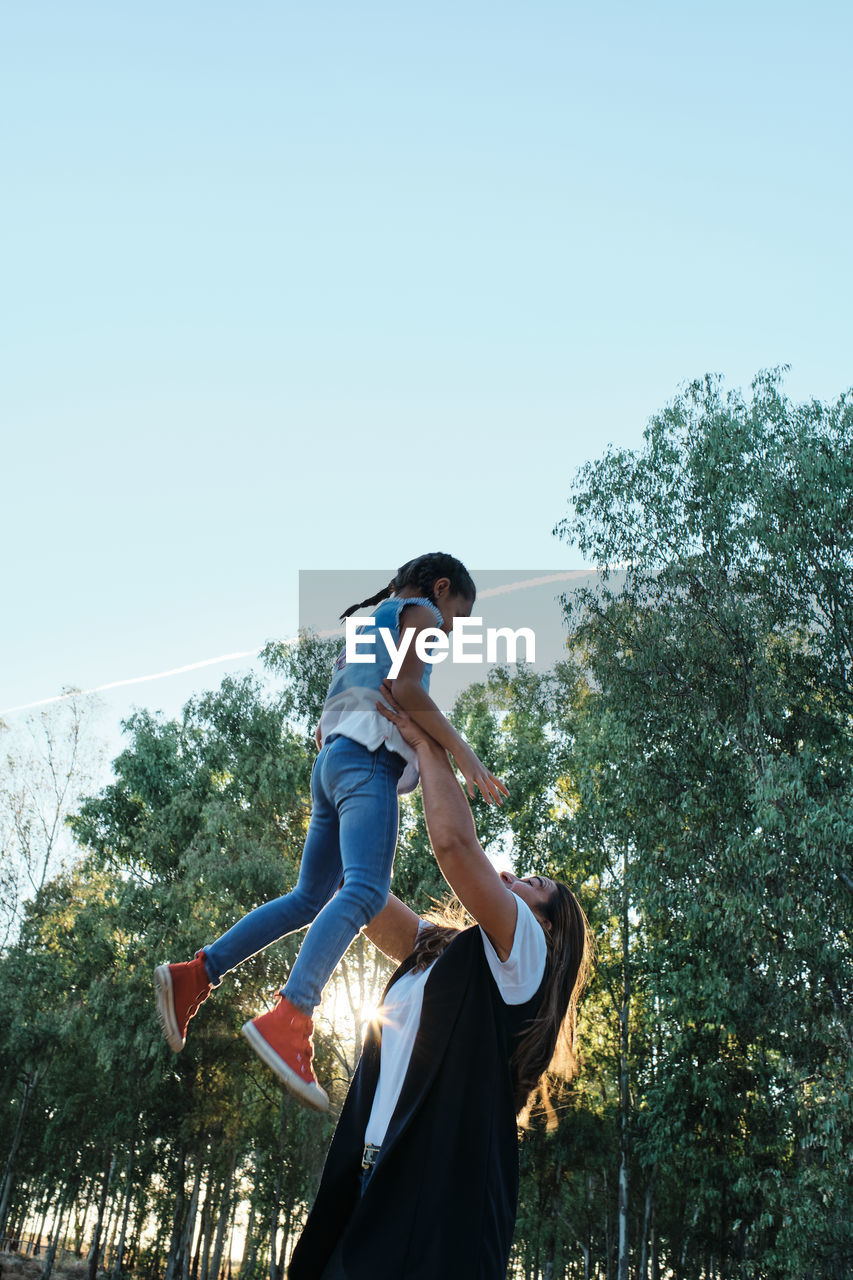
(550, 1040)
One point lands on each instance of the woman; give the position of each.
(421, 1179)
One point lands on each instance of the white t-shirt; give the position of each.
(517, 979)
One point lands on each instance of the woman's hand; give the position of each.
(469, 765)
(410, 730)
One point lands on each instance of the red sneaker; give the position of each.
(282, 1038)
(180, 990)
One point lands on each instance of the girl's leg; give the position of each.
(365, 786)
(319, 875)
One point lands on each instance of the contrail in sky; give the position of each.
(532, 582)
(158, 675)
(252, 653)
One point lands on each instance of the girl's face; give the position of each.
(450, 606)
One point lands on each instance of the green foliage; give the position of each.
(307, 669)
(686, 769)
(721, 699)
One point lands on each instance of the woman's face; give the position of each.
(536, 892)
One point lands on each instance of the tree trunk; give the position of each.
(173, 1256)
(80, 1221)
(274, 1229)
(137, 1228)
(108, 1235)
(202, 1252)
(189, 1226)
(250, 1248)
(34, 1222)
(274, 1216)
(199, 1239)
(624, 1079)
(224, 1216)
(47, 1269)
(72, 1190)
(9, 1170)
(608, 1229)
(95, 1250)
(128, 1190)
(231, 1236)
(644, 1238)
(288, 1223)
(41, 1226)
(685, 1242)
(282, 1250)
(153, 1267)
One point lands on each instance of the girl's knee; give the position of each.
(307, 906)
(375, 905)
(367, 900)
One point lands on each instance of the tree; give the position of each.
(50, 761)
(725, 663)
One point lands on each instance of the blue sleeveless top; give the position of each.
(350, 706)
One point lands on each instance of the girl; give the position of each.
(363, 764)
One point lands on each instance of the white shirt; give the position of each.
(517, 978)
(353, 713)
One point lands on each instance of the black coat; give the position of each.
(443, 1195)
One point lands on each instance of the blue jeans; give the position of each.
(351, 837)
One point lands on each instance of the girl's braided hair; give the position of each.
(422, 573)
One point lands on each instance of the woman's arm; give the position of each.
(395, 930)
(453, 837)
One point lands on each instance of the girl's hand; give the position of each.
(410, 730)
(477, 775)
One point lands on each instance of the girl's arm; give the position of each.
(394, 930)
(453, 837)
(414, 699)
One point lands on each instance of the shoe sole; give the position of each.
(166, 1008)
(311, 1094)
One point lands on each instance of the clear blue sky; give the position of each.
(318, 286)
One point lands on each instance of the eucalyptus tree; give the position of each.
(723, 665)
